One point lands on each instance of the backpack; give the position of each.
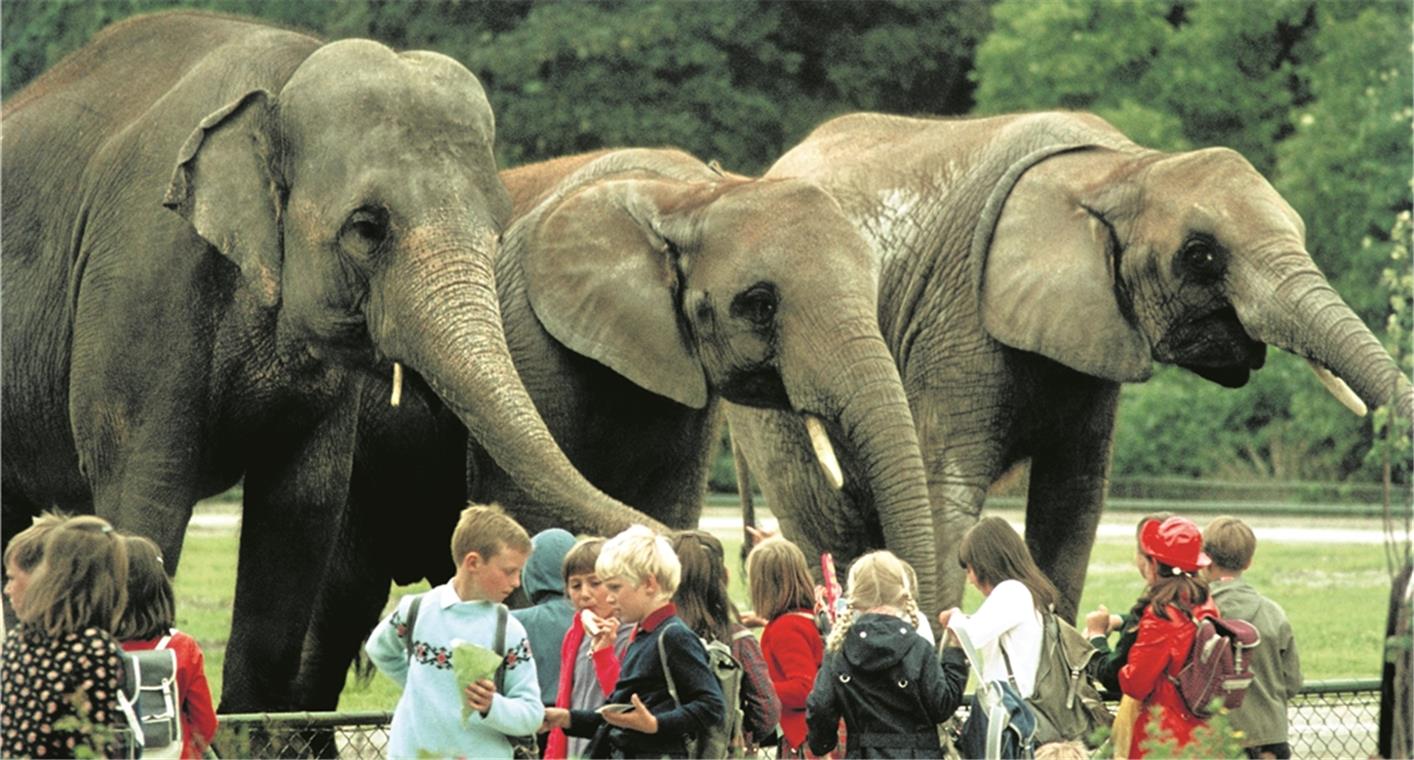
(723, 739)
(1218, 667)
(522, 747)
(150, 702)
(1000, 724)
(1068, 707)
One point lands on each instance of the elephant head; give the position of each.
(363, 208)
(1108, 258)
(696, 285)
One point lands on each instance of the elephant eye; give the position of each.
(365, 230)
(1201, 257)
(756, 304)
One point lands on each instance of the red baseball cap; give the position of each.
(1176, 542)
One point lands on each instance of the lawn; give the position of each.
(1334, 594)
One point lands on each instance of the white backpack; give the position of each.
(150, 701)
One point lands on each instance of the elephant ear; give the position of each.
(224, 185)
(602, 277)
(1048, 285)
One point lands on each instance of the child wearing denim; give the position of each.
(1276, 667)
(642, 573)
(489, 549)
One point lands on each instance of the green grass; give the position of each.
(1334, 595)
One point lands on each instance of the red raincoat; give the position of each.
(1160, 651)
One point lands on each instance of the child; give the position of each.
(879, 674)
(548, 620)
(783, 594)
(1105, 665)
(1176, 597)
(62, 667)
(23, 555)
(703, 603)
(589, 655)
(641, 573)
(489, 549)
(1016, 595)
(147, 623)
(1276, 668)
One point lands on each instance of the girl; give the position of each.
(703, 604)
(147, 623)
(23, 555)
(589, 656)
(62, 667)
(1177, 596)
(782, 593)
(879, 674)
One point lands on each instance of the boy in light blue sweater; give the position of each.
(490, 549)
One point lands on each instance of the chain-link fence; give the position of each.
(1329, 719)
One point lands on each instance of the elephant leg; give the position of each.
(293, 497)
(1069, 476)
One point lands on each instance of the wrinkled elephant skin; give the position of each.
(1027, 266)
(214, 232)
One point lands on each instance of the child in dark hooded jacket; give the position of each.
(548, 619)
(879, 674)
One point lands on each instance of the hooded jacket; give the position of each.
(890, 688)
(548, 620)
(1276, 667)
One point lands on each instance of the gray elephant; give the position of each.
(1027, 266)
(331, 211)
(637, 288)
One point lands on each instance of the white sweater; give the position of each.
(1007, 618)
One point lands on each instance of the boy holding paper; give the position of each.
(489, 549)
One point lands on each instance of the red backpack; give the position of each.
(1219, 666)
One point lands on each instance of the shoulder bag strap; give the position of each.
(500, 646)
(411, 621)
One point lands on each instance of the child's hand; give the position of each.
(637, 719)
(555, 717)
(752, 620)
(760, 534)
(608, 634)
(945, 616)
(1098, 623)
(479, 695)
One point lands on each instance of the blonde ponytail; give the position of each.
(840, 630)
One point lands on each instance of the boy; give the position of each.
(642, 573)
(489, 549)
(1276, 668)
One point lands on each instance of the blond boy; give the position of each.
(641, 572)
(1276, 668)
(489, 549)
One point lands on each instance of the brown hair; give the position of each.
(996, 553)
(1229, 543)
(580, 559)
(83, 580)
(26, 550)
(486, 529)
(778, 578)
(1172, 587)
(151, 608)
(701, 596)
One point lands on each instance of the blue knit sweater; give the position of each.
(428, 719)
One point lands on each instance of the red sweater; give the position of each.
(1160, 650)
(606, 669)
(793, 650)
(198, 713)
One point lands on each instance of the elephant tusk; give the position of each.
(1339, 389)
(397, 384)
(824, 452)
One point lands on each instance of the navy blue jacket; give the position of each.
(641, 673)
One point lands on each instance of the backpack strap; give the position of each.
(499, 646)
(668, 672)
(1006, 660)
(162, 642)
(412, 621)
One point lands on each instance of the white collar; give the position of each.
(446, 596)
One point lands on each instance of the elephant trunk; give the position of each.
(436, 309)
(1303, 314)
(875, 422)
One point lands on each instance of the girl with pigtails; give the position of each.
(879, 674)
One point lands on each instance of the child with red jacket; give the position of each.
(1176, 598)
(147, 623)
(783, 593)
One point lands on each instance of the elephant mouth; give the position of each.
(1215, 347)
(759, 387)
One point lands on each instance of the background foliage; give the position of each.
(1315, 93)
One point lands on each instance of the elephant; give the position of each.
(215, 232)
(1029, 264)
(638, 287)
